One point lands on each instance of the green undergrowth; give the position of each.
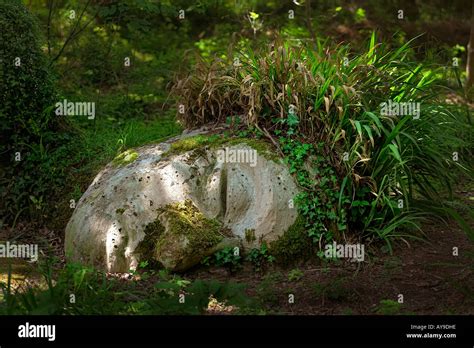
(78, 290)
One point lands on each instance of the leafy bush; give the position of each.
(31, 132)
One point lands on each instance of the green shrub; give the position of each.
(28, 124)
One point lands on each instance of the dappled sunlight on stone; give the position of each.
(250, 193)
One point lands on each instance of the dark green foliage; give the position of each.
(28, 123)
(260, 257)
(26, 90)
(95, 293)
(318, 201)
(229, 258)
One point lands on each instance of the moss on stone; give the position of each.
(215, 141)
(294, 245)
(180, 233)
(195, 154)
(146, 248)
(192, 143)
(263, 148)
(185, 220)
(125, 158)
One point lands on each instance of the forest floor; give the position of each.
(427, 273)
(430, 278)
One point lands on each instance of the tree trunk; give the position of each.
(309, 21)
(470, 53)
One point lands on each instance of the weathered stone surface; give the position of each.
(245, 202)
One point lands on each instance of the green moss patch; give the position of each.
(186, 220)
(146, 248)
(263, 148)
(180, 236)
(193, 143)
(125, 158)
(215, 141)
(294, 246)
